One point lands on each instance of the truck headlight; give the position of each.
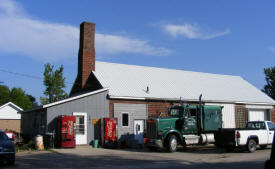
(160, 133)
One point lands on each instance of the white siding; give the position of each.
(228, 114)
(9, 112)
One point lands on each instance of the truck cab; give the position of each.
(185, 125)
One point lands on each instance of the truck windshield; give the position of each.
(255, 125)
(174, 112)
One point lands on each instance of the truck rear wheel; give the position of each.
(12, 160)
(251, 145)
(172, 143)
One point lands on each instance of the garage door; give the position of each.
(257, 115)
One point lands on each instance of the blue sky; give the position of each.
(223, 37)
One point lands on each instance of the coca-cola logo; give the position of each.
(110, 129)
(70, 127)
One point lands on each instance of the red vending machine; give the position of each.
(108, 130)
(65, 131)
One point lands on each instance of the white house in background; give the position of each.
(10, 117)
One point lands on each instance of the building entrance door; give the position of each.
(80, 128)
(138, 130)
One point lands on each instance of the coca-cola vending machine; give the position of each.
(108, 130)
(65, 131)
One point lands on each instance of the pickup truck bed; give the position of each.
(226, 137)
(256, 133)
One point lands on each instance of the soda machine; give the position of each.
(65, 131)
(108, 130)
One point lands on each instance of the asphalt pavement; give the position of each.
(198, 157)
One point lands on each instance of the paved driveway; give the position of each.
(86, 157)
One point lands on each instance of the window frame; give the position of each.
(271, 124)
(128, 114)
(78, 129)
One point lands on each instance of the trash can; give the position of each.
(49, 140)
(39, 142)
(95, 143)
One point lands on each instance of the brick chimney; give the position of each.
(86, 53)
(86, 80)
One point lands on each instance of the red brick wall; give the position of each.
(154, 107)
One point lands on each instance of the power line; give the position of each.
(24, 75)
(21, 74)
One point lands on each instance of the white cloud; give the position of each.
(112, 44)
(272, 49)
(192, 31)
(20, 33)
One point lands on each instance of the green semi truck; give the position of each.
(185, 125)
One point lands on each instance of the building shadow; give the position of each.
(48, 160)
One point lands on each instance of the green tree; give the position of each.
(16, 95)
(269, 88)
(33, 100)
(54, 83)
(19, 97)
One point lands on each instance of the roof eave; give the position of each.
(188, 100)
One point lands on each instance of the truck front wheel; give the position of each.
(251, 145)
(172, 143)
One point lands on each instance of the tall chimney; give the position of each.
(86, 53)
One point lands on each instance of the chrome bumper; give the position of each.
(154, 143)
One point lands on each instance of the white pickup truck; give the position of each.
(255, 133)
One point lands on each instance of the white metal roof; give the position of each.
(13, 105)
(130, 81)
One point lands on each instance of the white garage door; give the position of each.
(257, 115)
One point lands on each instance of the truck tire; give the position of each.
(12, 160)
(172, 143)
(251, 145)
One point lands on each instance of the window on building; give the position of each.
(241, 116)
(79, 125)
(125, 119)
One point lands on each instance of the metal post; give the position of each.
(200, 112)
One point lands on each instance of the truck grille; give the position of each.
(151, 129)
